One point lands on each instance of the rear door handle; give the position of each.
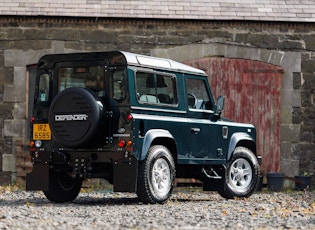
(195, 130)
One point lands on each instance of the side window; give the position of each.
(156, 88)
(197, 94)
(43, 87)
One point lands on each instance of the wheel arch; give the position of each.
(159, 137)
(241, 139)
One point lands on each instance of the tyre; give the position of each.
(77, 118)
(241, 175)
(156, 176)
(62, 188)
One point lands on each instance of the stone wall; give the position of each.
(24, 40)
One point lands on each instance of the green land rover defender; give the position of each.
(137, 121)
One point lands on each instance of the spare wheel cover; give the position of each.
(75, 116)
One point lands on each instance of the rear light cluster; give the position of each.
(37, 144)
(123, 143)
(32, 143)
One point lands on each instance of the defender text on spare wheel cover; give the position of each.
(137, 121)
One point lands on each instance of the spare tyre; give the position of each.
(77, 118)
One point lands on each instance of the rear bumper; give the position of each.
(124, 170)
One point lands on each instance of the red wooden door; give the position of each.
(252, 92)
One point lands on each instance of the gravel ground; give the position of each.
(187, 209)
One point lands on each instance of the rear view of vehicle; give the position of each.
(80, 102)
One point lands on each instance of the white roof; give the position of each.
(154, 62)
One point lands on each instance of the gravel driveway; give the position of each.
(186, 210)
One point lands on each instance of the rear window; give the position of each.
(88, 77)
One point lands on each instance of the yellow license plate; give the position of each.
(41, 132)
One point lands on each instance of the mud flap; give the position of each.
(38, 179)
(125, 175)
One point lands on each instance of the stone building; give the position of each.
(269, 44)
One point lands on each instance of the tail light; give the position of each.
(32, 119)
(32, 146)
(129, 117)
(121, 143)
(129, 143)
